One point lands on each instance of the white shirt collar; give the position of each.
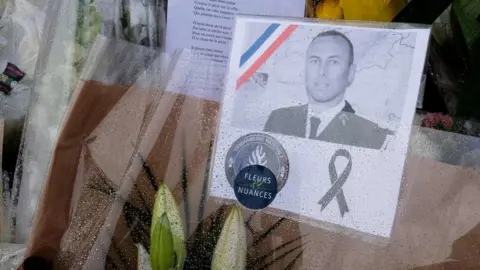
(325, 118)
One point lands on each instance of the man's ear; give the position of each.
(351, 74)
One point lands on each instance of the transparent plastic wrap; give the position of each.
(20, 31)
(11, 255)
(21, 28)
(128, 188)
(141, 22)
(54, 80)
(71, 29)
(150, 112)
(50, 112)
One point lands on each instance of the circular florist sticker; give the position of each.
(255, 187)
(253, 156)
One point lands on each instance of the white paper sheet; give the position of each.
(205, 27)
(268, 95)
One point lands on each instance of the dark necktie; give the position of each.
(314, 123)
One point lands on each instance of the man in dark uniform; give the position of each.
(328, 116)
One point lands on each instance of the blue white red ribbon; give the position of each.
(259, 52)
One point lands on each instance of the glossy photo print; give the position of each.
(326, 82)
(339, 99)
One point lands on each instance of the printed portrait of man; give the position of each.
(327, 116)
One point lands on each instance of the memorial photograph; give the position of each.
(321, 115)
(329, 84)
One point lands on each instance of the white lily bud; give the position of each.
(231, 249)
(167, 239)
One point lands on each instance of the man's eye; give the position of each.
(334, 61)
(314, 61)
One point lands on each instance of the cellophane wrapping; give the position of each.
(140, 142)
(21, 27)
(71, 28)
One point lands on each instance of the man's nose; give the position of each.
(322, 69)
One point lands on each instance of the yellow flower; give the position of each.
(167, 247)
(231, 249)
(363, 10)
(329, 9)
(371, 10)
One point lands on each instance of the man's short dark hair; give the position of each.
(333, 33)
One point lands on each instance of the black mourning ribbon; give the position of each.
(337, 182)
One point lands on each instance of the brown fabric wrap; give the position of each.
(86, 112)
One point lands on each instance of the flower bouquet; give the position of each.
(127, 189)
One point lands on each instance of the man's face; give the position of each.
(328, 68)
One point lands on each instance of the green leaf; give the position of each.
(185, 189)
(422, 11)
(201, 244)
(148, 172)
(282, 256)
(467, 12)
(125, 21)
(256, 261)
(201, 207)
(455, 50)
(267, 232)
